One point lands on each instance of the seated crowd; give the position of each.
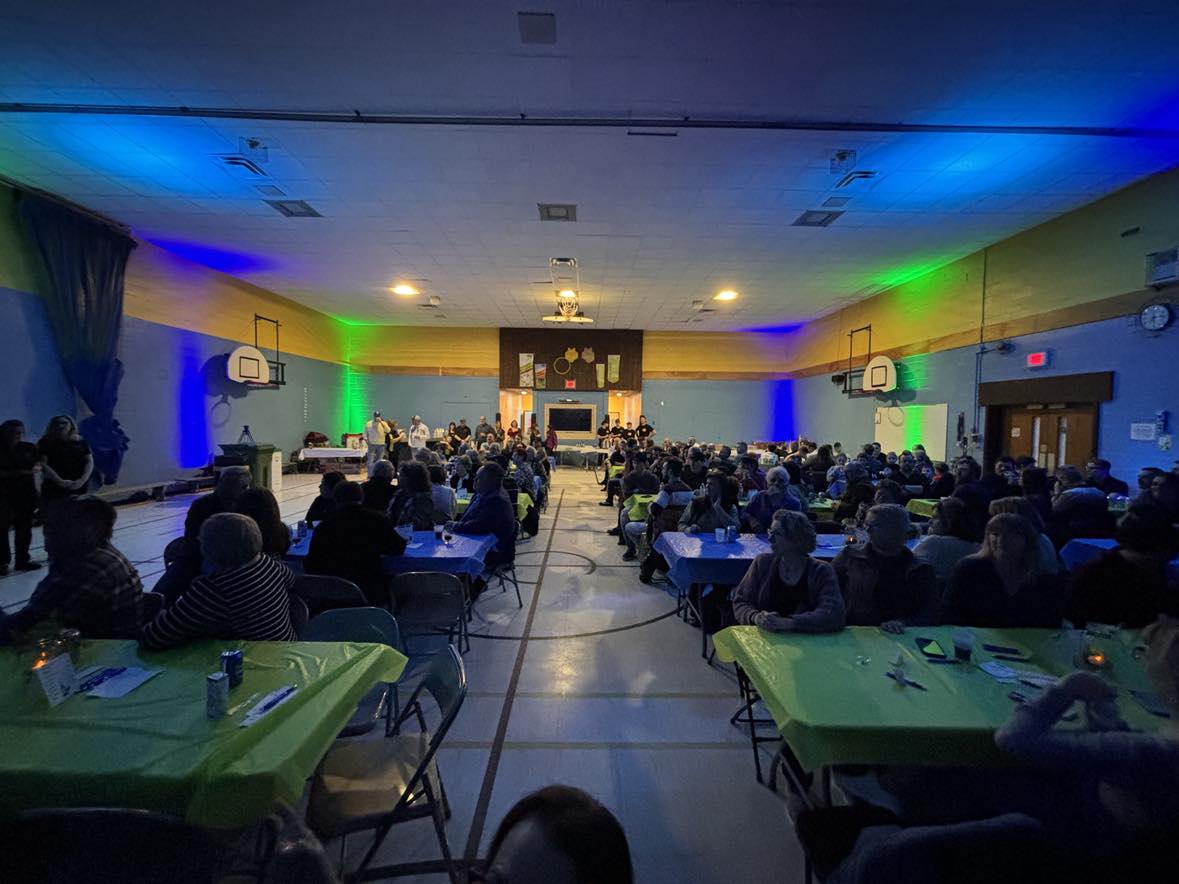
(988, 557)
(225, 577)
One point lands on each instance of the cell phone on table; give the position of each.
(930, 648)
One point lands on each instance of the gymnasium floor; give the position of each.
(594, 683)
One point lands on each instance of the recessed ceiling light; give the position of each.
(404, 290)
(726, 295)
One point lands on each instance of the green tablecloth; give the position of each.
(523, 502)
(822, 508)
(921, 507)
(832, 709)
(156, 749)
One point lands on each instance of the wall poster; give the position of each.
(541, 375)
(613, 367)
(526, 372)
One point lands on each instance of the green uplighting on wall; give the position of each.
(354, 404)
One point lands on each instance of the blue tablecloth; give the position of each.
(463, 555)
(828, 546)
(1083, 549)
(700, 558)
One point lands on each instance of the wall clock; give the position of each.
(1155, 316)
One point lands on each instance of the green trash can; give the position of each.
(258, 458)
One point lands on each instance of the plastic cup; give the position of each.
(438, 531)
(720, 535)
(963, 644)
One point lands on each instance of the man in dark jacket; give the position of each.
(350, 542)
(1099, 477)
(490, 512)
(18, 495)
(883, 584)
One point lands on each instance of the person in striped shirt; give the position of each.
(241, 595)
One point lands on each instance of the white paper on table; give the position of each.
(1039, 679)
(998, 671)
(123, 683)
(57, 678)
(413, 546)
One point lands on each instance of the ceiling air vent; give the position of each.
(293, 208)
(557, 211)
(239, 167)
(537, 27)
(269, 190)
(812, 218)
(836, 202)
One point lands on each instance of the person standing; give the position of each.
(644, 430)
(375, 432)
(462, 432)
(482, 431)
(419, 434)
(66, 461)
(18, 495)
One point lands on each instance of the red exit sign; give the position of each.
(1038, 359)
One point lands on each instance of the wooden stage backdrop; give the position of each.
(549, 348)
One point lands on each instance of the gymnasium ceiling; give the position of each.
(979, 120)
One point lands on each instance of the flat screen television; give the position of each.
(572, 420)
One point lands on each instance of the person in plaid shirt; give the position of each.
(90, 586)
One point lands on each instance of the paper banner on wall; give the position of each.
(613, 363)
(526, 373)
(588, 354)
(600, 368)
(541, 373)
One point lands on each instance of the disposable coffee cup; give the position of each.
(720, 535)
(963, 644)
(438, 531)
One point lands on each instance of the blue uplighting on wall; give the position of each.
(192, 429)
(216, 259)
(780, 409)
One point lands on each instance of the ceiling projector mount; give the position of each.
(566, 286)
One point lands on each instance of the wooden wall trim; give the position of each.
(446, 371)
(1124, 304)
(716, 375)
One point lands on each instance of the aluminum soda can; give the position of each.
(233, 665)
(302, 529)
(731, 533)
(217, 695)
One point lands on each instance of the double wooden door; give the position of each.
(1053, 436)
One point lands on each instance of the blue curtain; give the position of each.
(85, 261)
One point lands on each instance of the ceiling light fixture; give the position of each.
(726, 295)
(567, 293)
(404, 290)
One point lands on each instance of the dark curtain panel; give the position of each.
(85, 260)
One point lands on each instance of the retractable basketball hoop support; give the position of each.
(278, 368)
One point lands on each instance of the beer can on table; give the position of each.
(731, 534)
(217, 698)
(233, 665)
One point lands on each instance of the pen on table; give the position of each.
(908, 681)
(278, 698)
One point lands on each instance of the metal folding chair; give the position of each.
(322, 593)
(358, 779)
(428, 602)
(373, 625)
(300, 615)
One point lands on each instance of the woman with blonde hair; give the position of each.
(1003, 585)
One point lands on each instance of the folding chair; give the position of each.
(744, 716)
(300, 615)
(429, 601)
(373, 625)
(322, 593)
(357, 780)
